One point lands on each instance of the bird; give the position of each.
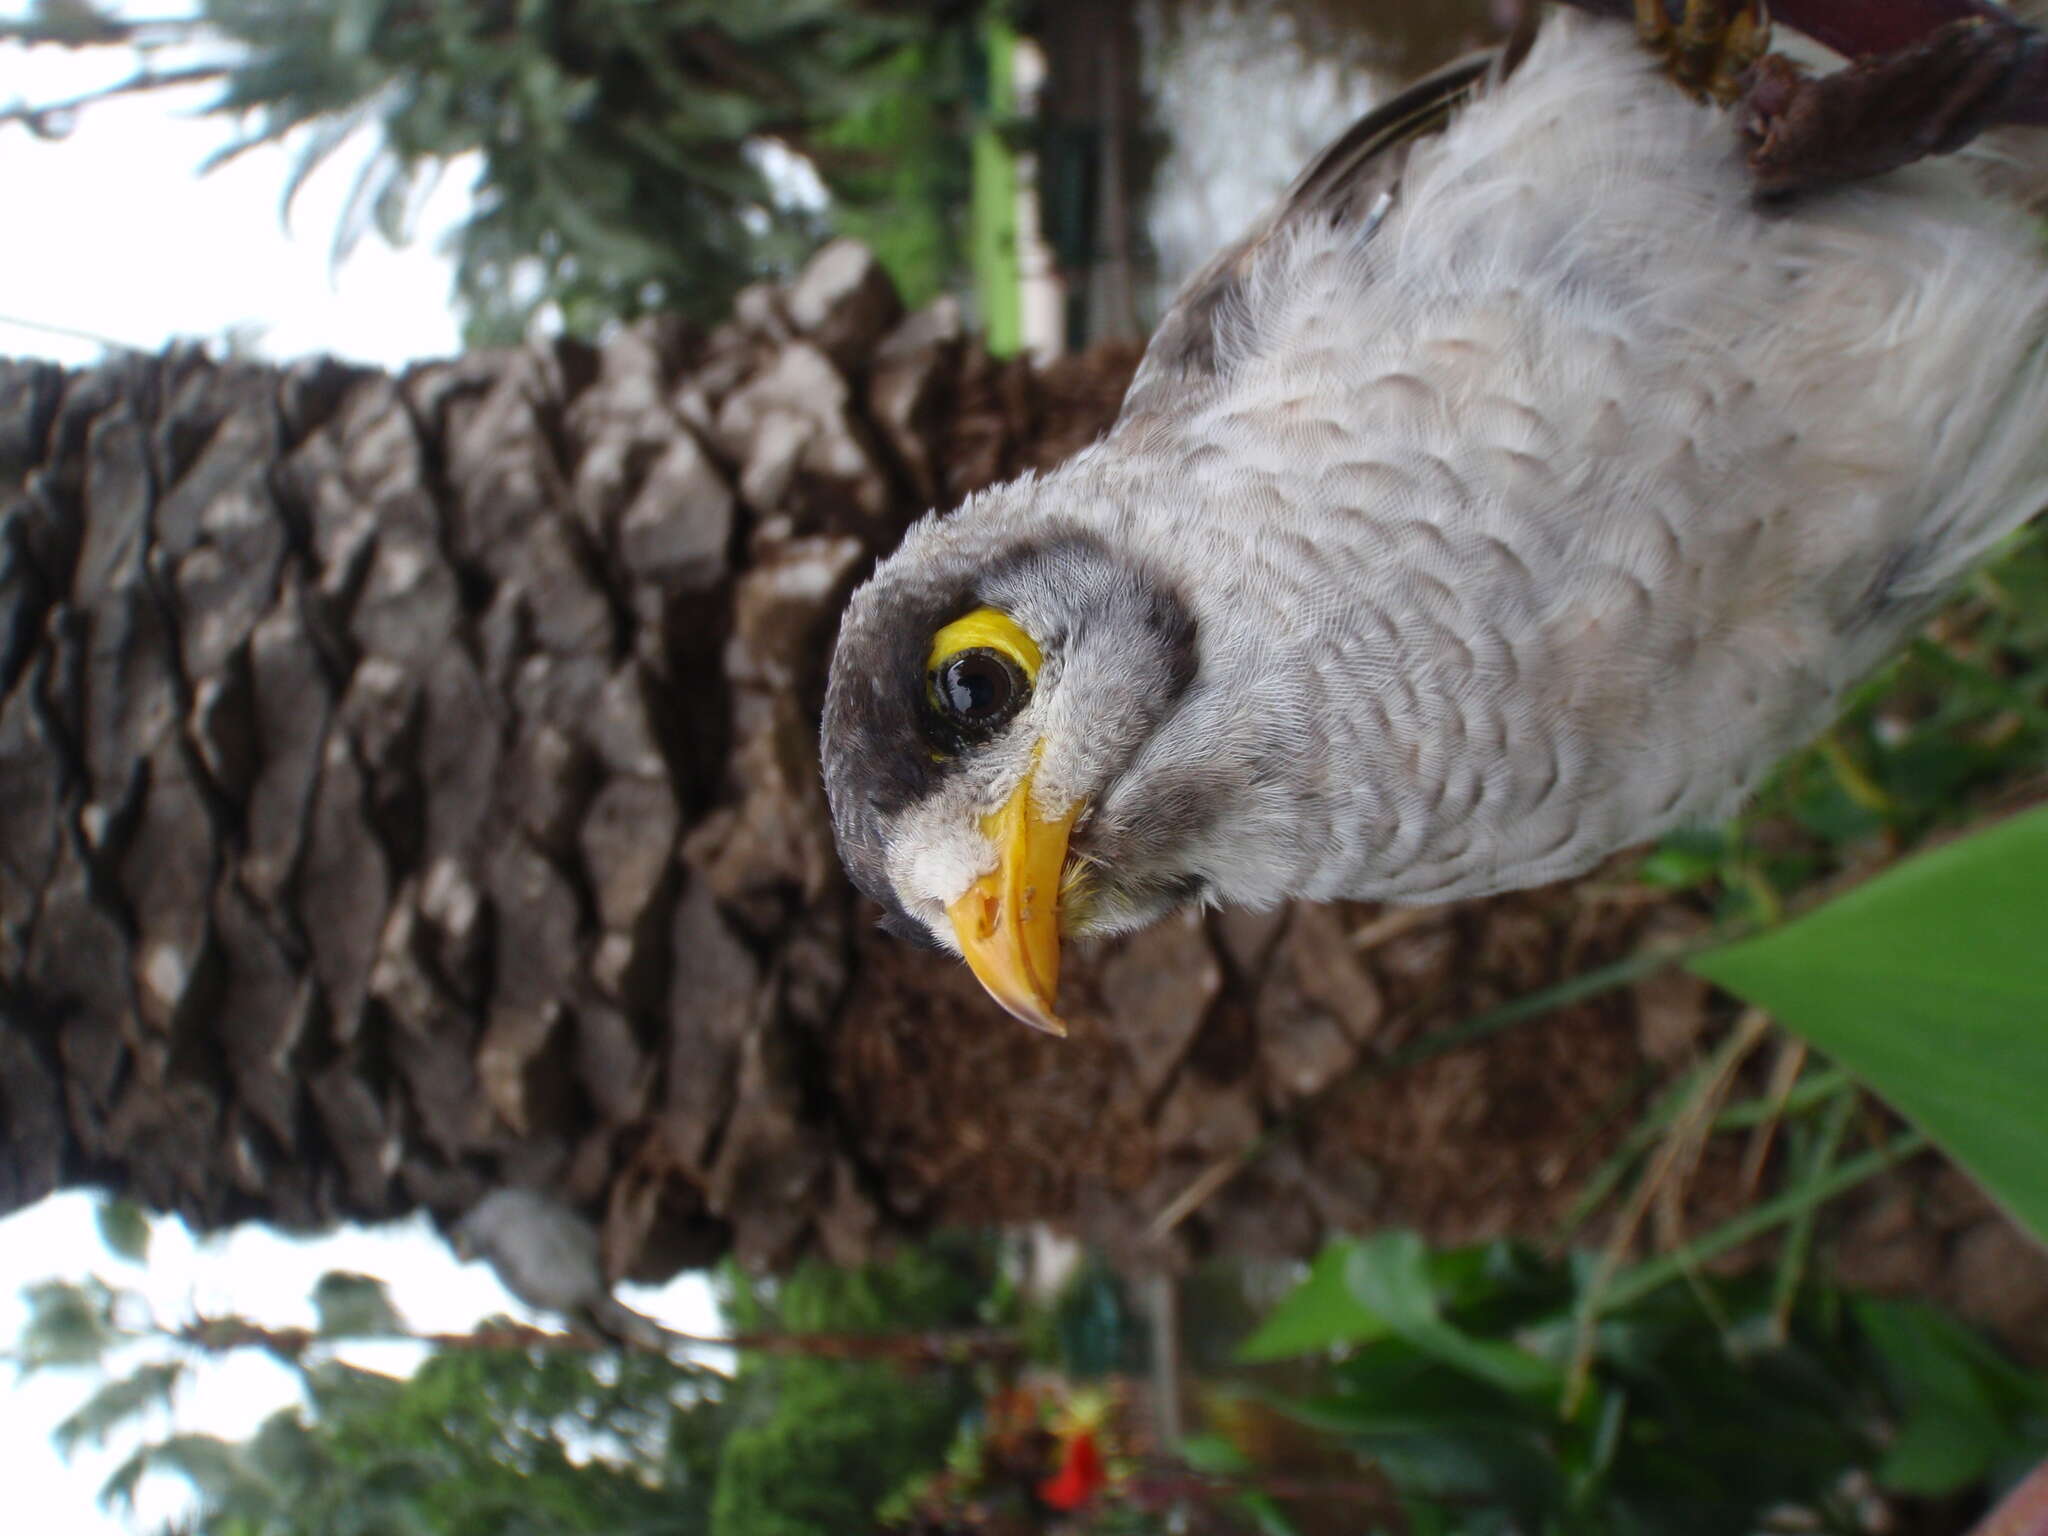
(1524, 487)
(548, 1256)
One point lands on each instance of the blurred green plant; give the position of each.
(1704, 1407)
(486, 1438)
(620, 142)
(511, 1430)
(902, 173)
(817, 1445)
(1928, 983)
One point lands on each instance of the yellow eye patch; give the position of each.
(977, 676)
(986, 629)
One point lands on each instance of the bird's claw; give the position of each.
(1711, 47)
(1885, 110)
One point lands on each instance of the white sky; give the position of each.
(110, 232)
(251, 1271)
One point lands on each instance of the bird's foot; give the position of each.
(1889, 109)
(1710, 49)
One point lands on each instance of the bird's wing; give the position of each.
(1343, 184)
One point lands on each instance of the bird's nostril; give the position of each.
(987, 911)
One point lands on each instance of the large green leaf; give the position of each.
(1931, 984)
(1390, 1276)
(1961, 1404)
(1319, 1314)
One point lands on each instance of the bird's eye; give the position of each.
(979, 673)
(979, 689)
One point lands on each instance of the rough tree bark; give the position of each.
(408, 785)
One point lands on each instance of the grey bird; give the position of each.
(547, 1255)
(1521, 489)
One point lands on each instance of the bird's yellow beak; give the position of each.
(1008, 922)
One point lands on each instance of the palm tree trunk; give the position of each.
(408, 785)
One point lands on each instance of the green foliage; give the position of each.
(901, 172)
(1319, 1314)
(941, 1284)
(117, 1402)
(124, 1229)
(1391, 1278)
(1927, 982)
(214, 1468)
(819, 1444)
(488, 1441)
(614, 136)
(1215, 1456)
(351, 1306)
(476, 1443)
(839, 1439)
(479, 1442)
(1702, 1409)
(617, 142)
(68, 1325)
(1965, 1412)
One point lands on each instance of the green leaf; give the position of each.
(1933, 1455)
(1685, 857)
(352, 1306)
(1475, 1466)
(124, 1229)
(1928, 983)
(67, 1325)
(1217, 1457)
(116, 1403)
(119, 1488)
(1389, 1275)
(1319, 1314)
(209, 1463)
(1951, 1429)
(1436, 1431)
(1267, 1515)
(1214, 1455)
(283, 1451)
(354, 24)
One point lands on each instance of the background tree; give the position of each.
(622, 146)
(507, 1431)
(851, 1381)
(816, 1445)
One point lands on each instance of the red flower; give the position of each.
(1080, 1473)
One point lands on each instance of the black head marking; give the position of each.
(882, 750)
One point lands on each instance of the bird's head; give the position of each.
(995, 689)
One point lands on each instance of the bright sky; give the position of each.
(110, 233)
(251, 1271)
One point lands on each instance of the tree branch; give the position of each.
(35, 118)
(220, 1335)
